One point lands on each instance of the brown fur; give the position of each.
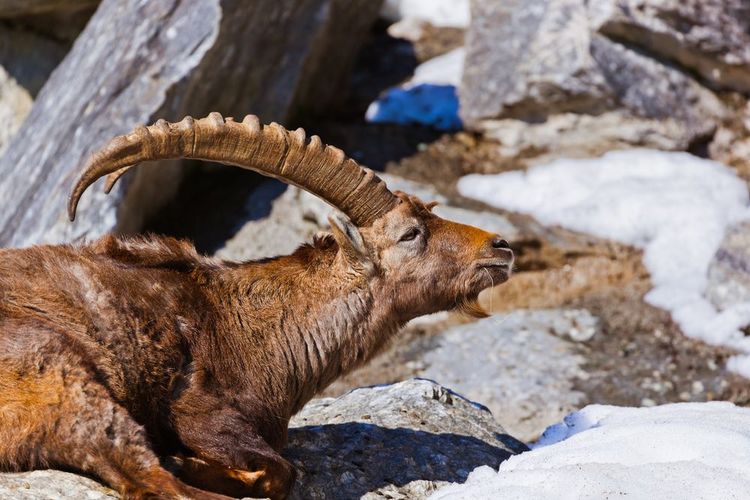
(119, 351)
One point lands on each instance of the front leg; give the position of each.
(230, 456)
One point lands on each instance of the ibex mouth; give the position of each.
(499, 263)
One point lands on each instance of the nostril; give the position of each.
(498, 242)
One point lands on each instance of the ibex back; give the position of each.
(115, 353)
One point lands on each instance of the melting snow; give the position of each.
(673, 205)
(676, 451)
(437, 12)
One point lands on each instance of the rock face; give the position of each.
(295, 217)
(522, 365)
(536, 66)
(729, 272)
(529, 59)
(709, 38)
(650, 89)
(26, 61)
(266, 57)
(15, 104)
(575, 135)
(47, 484)
(397, 441)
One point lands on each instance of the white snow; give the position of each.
(446, 69)
(674, 206)
(429, 97)
(437, 12)
(675, 451)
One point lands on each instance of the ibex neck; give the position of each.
(304, 324)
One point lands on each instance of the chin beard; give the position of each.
(471, 308)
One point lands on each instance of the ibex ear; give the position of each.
(350, 241)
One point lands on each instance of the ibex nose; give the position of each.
(498, 242)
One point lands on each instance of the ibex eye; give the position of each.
(410, 234)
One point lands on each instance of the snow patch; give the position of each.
(675, 451)
(454, 13)
(673, 205)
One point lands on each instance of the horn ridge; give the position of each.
(270, 150)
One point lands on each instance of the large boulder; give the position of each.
(709, 38)
(650, 89)
(398, 441)
(534, 68)
(529, 59)
(523, 365)
(271, 58)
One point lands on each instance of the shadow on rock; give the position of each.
(403, 440)
(362, 458)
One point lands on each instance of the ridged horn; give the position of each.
(269, 150)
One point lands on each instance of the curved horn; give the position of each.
(271, 150)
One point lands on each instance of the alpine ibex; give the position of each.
(126, 349)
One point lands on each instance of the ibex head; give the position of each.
(424, 262)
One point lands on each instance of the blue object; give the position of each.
(426, 104)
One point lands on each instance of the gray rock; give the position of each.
(729, 271)
(48, 484)
(15, 104)
(573, 135)
(269, 57)
(28, 57)
(425, 192)
(295, 217)
(518, 364)
(526, 59)
(543, 64)
(396, 441)
(710, 38)
(654, 90)
(26, 61)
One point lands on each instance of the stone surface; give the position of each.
(26, 61)
(653, 90)
(178, 58)
(573, 135)
(28, 57)
(526, 59)
(709, 38)
(397, 441)
(521, 365)
(729, 271)
(49, 484)
(294, 219)
(15, 104)
(536, 67)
